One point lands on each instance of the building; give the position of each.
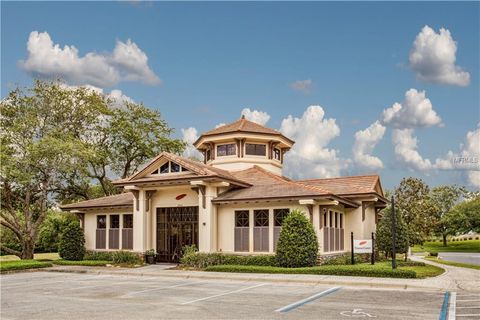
(233, 202)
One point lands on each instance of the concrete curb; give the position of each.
(258, 278)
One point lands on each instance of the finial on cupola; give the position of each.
(243, 116)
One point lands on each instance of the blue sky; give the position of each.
(215, 59)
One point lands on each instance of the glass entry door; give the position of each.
(176, 227)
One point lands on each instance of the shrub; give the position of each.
(89, 263)
(433, 254)
(125, 257)
(72, 242)
(297, 244)
(98, 255)
(410, 263)
(50, 231)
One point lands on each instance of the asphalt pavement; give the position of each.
(463, 257)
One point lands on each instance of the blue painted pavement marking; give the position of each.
(300, 303)
(443, 311)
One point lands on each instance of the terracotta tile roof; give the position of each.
(266, 185)
(346, 185)
(118, 200)
(197, 169)
(242, 125)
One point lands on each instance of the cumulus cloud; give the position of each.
(256, 116)
(415, 111)
(468, 158)
(127, 62)
(190, 135)
(433, 58)
(304, 86)
(406, 150)
(365, 142)
(310, 156)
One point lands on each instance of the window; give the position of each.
(207, 154)
(241, 219)
(341, 221)
(127, 221)
(330, 218)
(325, 218)
(114, 221)
(184, 170)
(174, 167)
(226, 150)
(256, 149)
(276, 154)
(260, 218)
(164, 168)
(279, 215)
(336, 219)
(101, 222)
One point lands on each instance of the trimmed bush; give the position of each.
(6, 266)
(72, 242)
(433, 254)
(364, 270)
(88, 263)
(126, 257)
(410, 263)
(98, 255)
(297, 245)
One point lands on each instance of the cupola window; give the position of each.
(226, 150)
(276, 154)
(255, 149)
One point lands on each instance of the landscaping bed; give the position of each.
(15, 265)
(380, 270)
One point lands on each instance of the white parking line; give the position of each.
(469, 315)
(453, 304)
(468, 300)
(224, 294)
(307, 300)
(161, 288)
(468, 307)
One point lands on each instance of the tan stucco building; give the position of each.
(233, 202)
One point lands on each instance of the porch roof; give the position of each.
(118, 200)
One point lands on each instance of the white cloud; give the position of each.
(468, 158)
(365, 142)
(190, 135)
(309, 156)
(117, 96)
(406, 150)
(127, 63)
(304, 86)
(415, 111)
(433, 57)
(256, 116)
(220, 125)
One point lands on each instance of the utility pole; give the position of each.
(394, 236)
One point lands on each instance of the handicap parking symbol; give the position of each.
(357, 313)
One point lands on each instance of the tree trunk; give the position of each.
(444, 237)
(27, 249)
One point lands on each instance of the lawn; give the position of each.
(36, 256)
(22, 265)
(380, 269)
(453, 263)
(452, 246)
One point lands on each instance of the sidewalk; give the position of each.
(453, 279)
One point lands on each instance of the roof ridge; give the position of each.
(344, 177)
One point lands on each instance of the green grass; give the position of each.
(380, 270)
(36, 256)
(88, 263)
(453, 263)
(6, 266)
(452, 246)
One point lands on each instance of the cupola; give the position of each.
(242, 144)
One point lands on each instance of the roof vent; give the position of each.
(243, 116)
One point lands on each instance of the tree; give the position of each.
(444, 199)
(384, 233)
(51, 229)
(464, 216)
(39, 146)
(297, 244)
(412, 198)
(72, 242)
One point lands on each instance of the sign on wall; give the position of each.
(362, 246)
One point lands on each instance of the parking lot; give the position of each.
(49, 295)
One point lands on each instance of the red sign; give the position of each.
(180, 196)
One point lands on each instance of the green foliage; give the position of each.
(22, 265)
(412, 199)
(378, 270)
(126, 257)
(458, 246)
(50, 231)
(150, 253)
(72, 242)
(202, 260)
(9, 240)
(98, 255)
(297, 245)
(465, 216)
(383, 239)
(87, 263)
(433, 254)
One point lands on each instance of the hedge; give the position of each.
(98, 255)
(22, 265)
(338, 270)
(202, 260)
(89, 263)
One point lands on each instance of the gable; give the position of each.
(167, 166)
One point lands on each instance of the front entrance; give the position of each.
(176, 227)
